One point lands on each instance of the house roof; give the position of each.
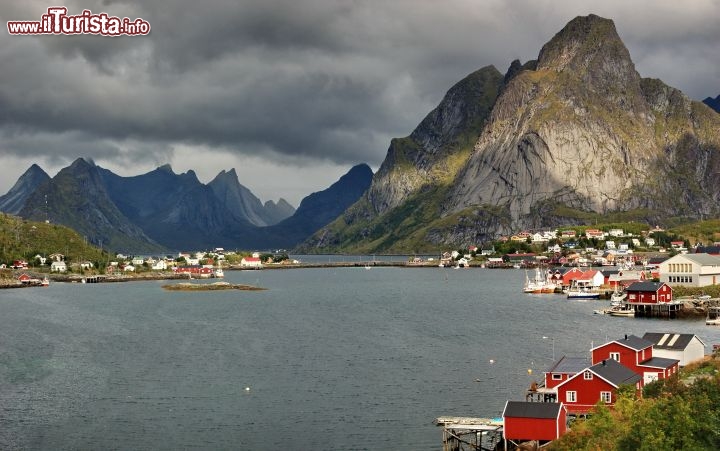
(659, 362)
(572, 365)
(645, 286)
(670, 341)
(703, 259)
(634, 342)
(631, 341)
(615, 372)
(587, 275)
(520, 409)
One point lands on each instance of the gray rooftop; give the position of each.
(659, 362)
(615, 372)
(703, 259)
(634, 342)
(520, 409)
(670, 341)
(570, 365)
(644, 286)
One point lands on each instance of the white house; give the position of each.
(616, 232)
(192, 261)
(56, 257)
(650, 242)
(58, 266)
(159, 265)
(692, 270)
(128, 268)
(86, 265)
(251, 263)
(686, 348)
(138, 261)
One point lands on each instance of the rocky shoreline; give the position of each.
(216, 286)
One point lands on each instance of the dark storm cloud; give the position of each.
(310, 79)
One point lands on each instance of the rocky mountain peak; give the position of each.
(14, 200)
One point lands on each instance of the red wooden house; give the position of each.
(597, 383)
(570, 275)
(636, 354)
(649, 293)
(541, 421)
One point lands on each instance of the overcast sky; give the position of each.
(291, 93)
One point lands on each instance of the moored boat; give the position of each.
(621, 311)
(713, 316)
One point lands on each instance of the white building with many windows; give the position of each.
(692, 270)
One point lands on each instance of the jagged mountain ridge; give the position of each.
(578, 130)
(77, 197)
(15, 199)
(242, 203)
(163, 210)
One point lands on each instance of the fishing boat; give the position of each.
(713, 316)
(617, 298)
(582, 289)
(539, 284)
(621, 311)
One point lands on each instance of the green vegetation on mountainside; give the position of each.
(676, 413)
(22, 240)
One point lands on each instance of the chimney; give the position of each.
(626, 336)
(604, 362)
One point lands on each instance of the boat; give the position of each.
(617, 298)
(219, 273)
(713, 316)
(621, 311)
(45, 282)
(540, 284)
(581, 289)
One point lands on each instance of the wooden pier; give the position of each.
(465, 433)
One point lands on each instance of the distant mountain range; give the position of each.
(563, 140)
(713, 103)
(161, 210)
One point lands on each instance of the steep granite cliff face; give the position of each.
(576, 132)
(435, 150)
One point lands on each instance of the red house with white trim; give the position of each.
(599, 382)
(541, 421)
(649, 293)
(636, 354)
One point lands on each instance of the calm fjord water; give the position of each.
(331, 358)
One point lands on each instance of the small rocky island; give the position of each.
(186, 286)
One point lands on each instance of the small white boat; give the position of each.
(622, 311)
(713, 316)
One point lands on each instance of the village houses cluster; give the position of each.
(183, 262)
(573, 386)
